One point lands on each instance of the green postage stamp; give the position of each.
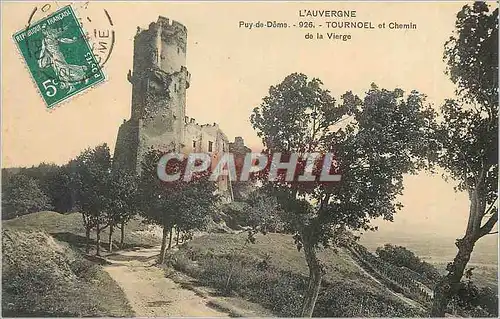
(58, 56)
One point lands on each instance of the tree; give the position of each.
(54, 181)
(22, 195)
(374, 142)
(153, 204)
(468, 134)
(263, 212)
(185, 204)
(91, 173)
(122, 205)
(61, 190)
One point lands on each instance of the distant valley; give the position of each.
(432, 247)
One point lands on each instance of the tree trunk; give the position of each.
(177, 237)
(163, 246)
(122, 235)
(170, 238)
(87, 239)
(315, 276)
(110, 237)
(98, 239)
(448, 286)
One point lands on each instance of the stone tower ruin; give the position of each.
(159, 82)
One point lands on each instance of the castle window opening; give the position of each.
(194, 144)
(178, 50)
(210, 145)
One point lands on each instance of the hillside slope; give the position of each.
(273, 273)
(69, 228)
(44, 277)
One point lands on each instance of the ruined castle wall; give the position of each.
(172, 44)
(159, 82)
(202, 135)
(161, 127)
(125, 155)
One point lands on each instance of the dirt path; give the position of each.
(149, 292)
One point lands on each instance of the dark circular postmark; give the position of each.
(73, 42)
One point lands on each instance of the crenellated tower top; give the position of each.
(159, 70)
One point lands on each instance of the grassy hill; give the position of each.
(69, 228)
(44, 272)
(439, 250)
(273, 273)
(43, 277)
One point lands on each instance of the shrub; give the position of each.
(281, 291)
(22, 195)
(402, 257)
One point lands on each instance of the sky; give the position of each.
(231, 70)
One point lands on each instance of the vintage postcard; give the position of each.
(249, 159)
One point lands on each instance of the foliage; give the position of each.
(123, 196)
(184, 204)
(402, 257)
(374, 141)
(468, 133)
(22, 195)
(54, 181)
(387, 134)
(257, 211)
(472, 54)
(91, 171)
(475, 301)
(399, 279)
(273, 276)
(61, 189)
(263, 212)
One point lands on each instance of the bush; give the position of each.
(281, 291)
(350, 299)
(22, 195)
(472, 301)
(402, 257)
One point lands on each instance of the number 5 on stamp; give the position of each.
(58, 56)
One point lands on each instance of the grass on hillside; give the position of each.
(42, 277)
(45, 273)
(69, 228)
(273, 273)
